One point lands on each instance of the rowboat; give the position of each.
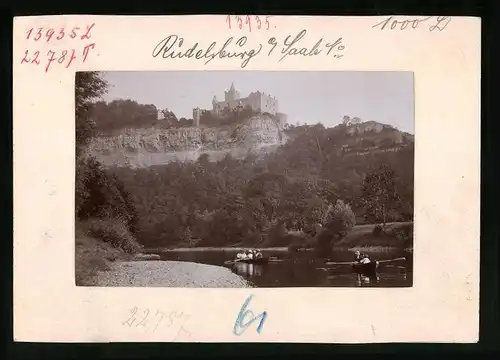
(265, 260)
(350, 262)
(248, 261)
(368, 268)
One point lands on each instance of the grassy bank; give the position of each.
(396, 235)
(363, 237)
(97, 244)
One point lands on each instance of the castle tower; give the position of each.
(232, 95)
(196, 116)
(214, 104)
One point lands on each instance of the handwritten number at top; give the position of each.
(247, 22)
(434, 23)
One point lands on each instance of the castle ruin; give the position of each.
(257, 101)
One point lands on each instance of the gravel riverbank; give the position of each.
(169, 274)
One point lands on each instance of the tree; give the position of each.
(379, 193)
(340, 219)
(89, 87)
(123, 113)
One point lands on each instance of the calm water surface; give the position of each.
(306, 270)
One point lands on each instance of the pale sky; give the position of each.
(305, 96)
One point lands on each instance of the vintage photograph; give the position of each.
(228, 179)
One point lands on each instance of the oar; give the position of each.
(397, 259)
(350, 262)
(228, 262)
(339, 263)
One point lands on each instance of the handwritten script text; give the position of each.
(175, 47)
(433, 22)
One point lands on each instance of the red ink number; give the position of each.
(73, 32)
(72, 57)
(25, 58)
(86, 50)
(52, 58)
(87, 33)
(61, 34)
(62, 57)
(49, 34)
(35, 59)
(38, 34)
(247, 21)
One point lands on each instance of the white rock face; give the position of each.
(369, 126)
(147, 147)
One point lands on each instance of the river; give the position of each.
(304, 269)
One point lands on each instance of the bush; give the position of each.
(341, 220)
(113, 232)
(404, 233)
(377, 230)
(99, 194)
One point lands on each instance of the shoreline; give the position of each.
(375, 248)
(169, 274)
(360, 237)
(223, 248)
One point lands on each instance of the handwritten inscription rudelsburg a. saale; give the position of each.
(174, 47)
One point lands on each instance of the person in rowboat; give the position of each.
(258, 255)
(361, 258)
(242, 255)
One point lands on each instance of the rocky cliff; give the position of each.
(154, 146)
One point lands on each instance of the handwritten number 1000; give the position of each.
(247, 21)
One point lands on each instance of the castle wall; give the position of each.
(257, 101)
(269, 104)
(253, 100)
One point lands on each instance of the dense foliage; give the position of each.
(125, 113)
(101, 202)
(310, 192)
(109, 118)
(260, 200)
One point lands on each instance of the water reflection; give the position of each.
(304, 270)
(248, 270)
